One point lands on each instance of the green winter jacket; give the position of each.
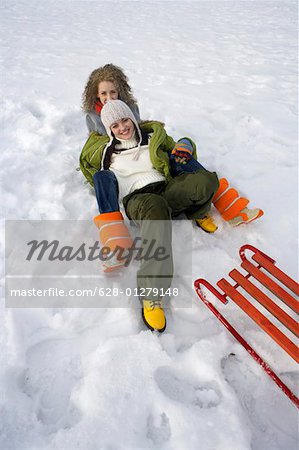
(159, 146)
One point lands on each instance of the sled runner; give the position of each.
(283, 291)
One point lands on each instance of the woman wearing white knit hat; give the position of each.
(139, 158)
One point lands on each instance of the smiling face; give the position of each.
(107, 91)
(123, 129)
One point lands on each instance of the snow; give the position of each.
(223, 73)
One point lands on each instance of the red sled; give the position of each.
(257, 271)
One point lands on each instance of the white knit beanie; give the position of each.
(115, 110)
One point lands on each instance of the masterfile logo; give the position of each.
(61, 264)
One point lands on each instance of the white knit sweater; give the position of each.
(133, 168)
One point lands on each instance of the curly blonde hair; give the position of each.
(112, 73)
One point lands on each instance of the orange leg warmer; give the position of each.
(227, 201)
(113, 231)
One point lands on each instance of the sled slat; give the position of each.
(281, 339)
(277, 273)
(264, 300)
(270, 284)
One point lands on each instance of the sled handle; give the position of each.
(264, 261)
(254, 250)
(211, 288)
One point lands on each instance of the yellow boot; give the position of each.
(153, 315)
(207, 224)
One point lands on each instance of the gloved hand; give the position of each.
(182, 151)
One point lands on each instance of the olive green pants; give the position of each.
(152, 208)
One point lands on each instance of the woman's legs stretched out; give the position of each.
(151, 212)
(227, 200)
(110, 222)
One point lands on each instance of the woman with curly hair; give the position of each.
(106, 83)
(110, 83)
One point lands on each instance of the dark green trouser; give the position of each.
(152, 208)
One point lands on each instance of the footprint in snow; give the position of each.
(180, 390)
(158, 431)
(35, 110)
(53, 369)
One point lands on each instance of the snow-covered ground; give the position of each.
(224, 73)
